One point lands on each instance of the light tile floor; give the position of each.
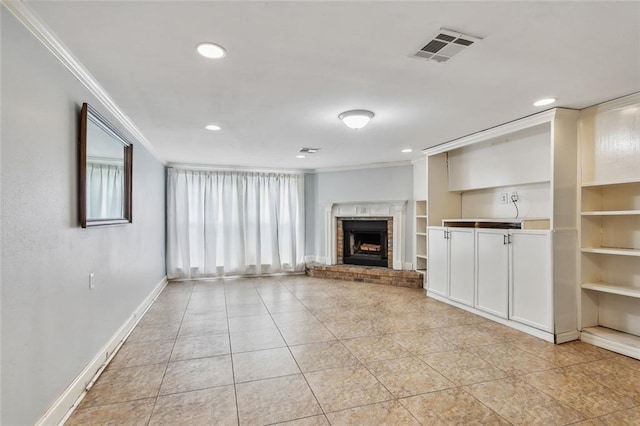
(304, 351)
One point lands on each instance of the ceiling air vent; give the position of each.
(309, 150)
(445, 45)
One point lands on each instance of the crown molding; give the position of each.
(247, 169)
(500, 130)
(624, 101)
(360, 167)
(27, 17)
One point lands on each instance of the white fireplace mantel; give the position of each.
(395, 209)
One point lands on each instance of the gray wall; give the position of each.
(375, 184)
(52, 324)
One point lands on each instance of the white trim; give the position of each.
(610, 343)
(395, 209)
(360, 167)
(27, 17)
(497, 131)
(71, 397)
(314, 258)
(247, 169)
(568, 336)
(408, 266)
(520, 327)
(621, 102)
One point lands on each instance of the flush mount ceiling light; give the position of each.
(213, 127)
(406, 150)
(545, 101)
(300, 156)
(211, 50)
(356, 118)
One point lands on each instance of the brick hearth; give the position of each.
(366, 274)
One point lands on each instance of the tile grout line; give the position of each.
(291, 353)
(155, 402)
(233, 371)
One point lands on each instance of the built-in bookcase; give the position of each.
(421, 236)
(513, 187)
(610, 225)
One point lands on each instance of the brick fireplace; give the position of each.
(393, 212)
(333, 266)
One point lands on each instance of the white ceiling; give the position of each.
(292, 67)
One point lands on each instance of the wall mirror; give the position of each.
(105, 171)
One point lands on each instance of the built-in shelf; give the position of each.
(614, 251)
(420, 256)
(621, 182)
(610, 227)
(621, 290)
(612, 213)
(617, 341)
(498, 223)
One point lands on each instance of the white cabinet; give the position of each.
(492, 276)
(451, 269)
(461, 265)
(513, 278)
(530, 285)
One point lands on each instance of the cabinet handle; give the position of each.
(505, 240)
(444, 233)
(509, 240)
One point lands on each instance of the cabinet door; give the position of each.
(461, 265)
(531, 290)
(492, 265)
(437, 261)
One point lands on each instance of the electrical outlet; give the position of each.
(514, 197)
(92, 282)
(504, 198)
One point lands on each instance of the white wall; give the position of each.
(534, 201)
(52, 324)
(375, 184)
(420, 179)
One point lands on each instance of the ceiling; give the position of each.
(292, 67)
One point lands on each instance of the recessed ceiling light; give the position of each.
(545, 101)
(407, 150)
(213, 127)
(356, 118)
(300, 156)
(211, 50)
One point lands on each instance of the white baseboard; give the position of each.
(64, 405)
(314, 259)
(549, 337)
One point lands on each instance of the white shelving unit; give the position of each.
(610, 225)
(534, 288)
(420, 263)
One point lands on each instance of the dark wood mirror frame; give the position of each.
(87, 114)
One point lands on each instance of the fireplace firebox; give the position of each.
(365, 242)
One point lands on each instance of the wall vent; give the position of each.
(309, 150)
(445, 45)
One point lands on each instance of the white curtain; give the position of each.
(105, 186)
(232, 223)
